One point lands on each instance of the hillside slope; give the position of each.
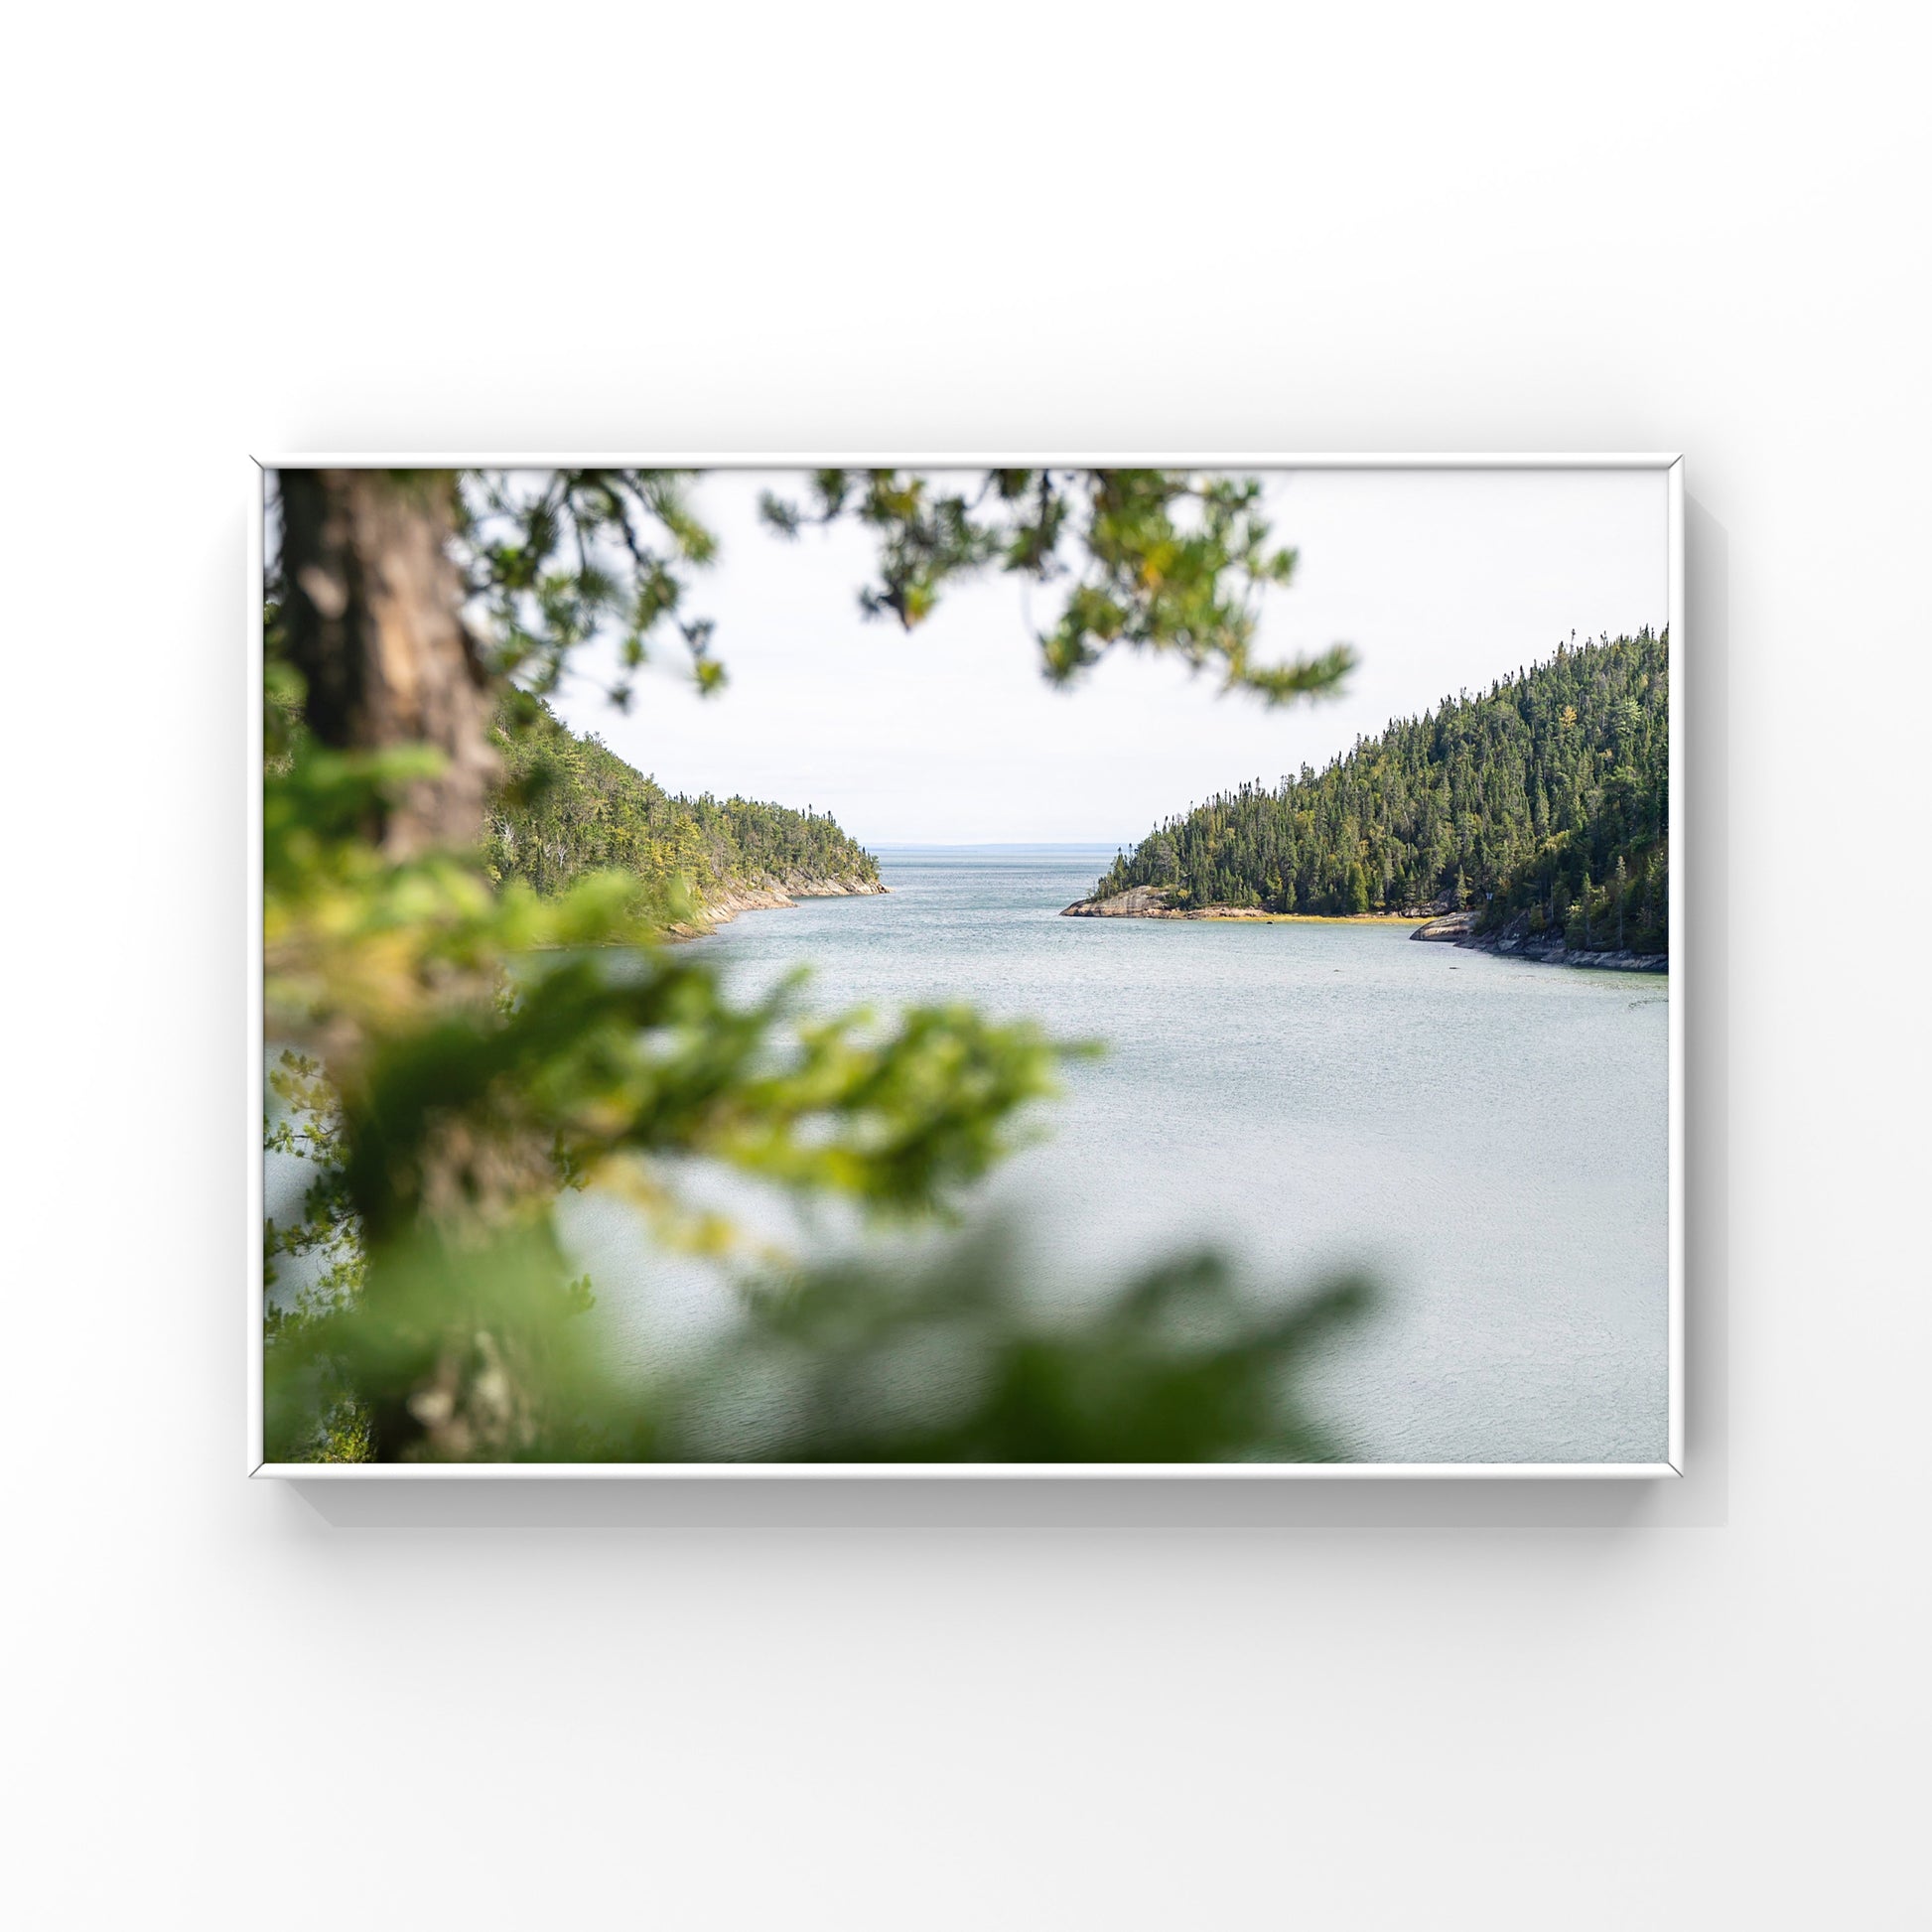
(1542, 805)
(568, 805)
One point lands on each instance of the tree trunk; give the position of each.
(374, 625)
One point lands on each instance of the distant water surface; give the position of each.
(1488, 1138)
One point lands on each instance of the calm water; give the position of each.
(1488, 1138)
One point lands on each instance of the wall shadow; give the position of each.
(1704, 665)
(1700, 1499)
(1045, 1503)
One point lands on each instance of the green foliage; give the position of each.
(964, 1361)
(465, 1034)
(306, 1125)
(1164, 560)
(569, 805)
(486, 1049)
(1161, 560)
(557, 557)
(1520, 800)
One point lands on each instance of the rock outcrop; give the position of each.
(1515, 941)
(1151, 903)
(1137, 902)
(1454, 926)
(772, 895)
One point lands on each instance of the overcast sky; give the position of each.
(1440, 580)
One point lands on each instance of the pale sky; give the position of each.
(1440, 580)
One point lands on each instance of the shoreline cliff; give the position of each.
(1150, 903)
(1515, 941)
(774, 895)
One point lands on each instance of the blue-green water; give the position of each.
(1488, 1137)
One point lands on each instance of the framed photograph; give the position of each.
(967, 965)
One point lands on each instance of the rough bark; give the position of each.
(374, 625)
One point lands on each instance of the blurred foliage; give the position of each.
(966, 1361)
(455, 1049)
(1173, 561)
(557, 557)
(1161, 560)
(960, 1359)
(486, 1049)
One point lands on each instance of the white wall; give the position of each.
(1458, 227)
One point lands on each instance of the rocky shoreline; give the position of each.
(1516, 941)
(773, 896)
(1151, 903)
(1137, 902)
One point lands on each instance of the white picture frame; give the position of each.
(258, 1467)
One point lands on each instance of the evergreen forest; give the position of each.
(1543, 801)
(568, 806)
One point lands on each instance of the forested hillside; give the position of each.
(569, 805)
(1547, 796)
